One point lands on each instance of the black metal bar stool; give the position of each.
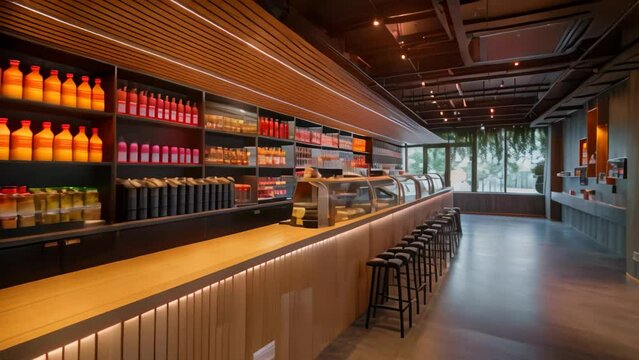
(415, 262)
(424, 264)
(430, 239)
(378, 296)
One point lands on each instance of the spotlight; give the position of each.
(458, 119)
(403, 56)
(492, 117)
(376, 22)
(423, 83)
(492, 110)
(441, 113)
(516, 63)
(502, 84)
(431, 95)
(434, 102)
(482, 127)
(431, 91)
(445, 119)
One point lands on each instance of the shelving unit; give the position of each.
(115, 126)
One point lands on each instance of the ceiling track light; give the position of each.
(423, 83)
(516, 63)
(502, 84)
(441, 113)
(492, 110)
(376, 22)
(403, 56)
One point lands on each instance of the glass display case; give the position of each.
(423, 185)
(437, 182)
(387, 192)
(408, 188)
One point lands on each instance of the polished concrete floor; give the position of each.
(519, 288)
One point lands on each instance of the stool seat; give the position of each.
(402, 256)
(417, 244)
(395, 263)
(376, 262)
(386, 255)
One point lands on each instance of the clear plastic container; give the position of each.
(92, 212)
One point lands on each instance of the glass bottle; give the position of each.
(12, 80)
(22, 142)
(81, 146)
(43, 143)
(84, 94)
(5, 135)
(63, 145)
(52, 87)
(69, 95)
(95, 146)
(33, 83)
(97, 96)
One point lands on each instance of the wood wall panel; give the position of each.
(142, 36)
(501, 203)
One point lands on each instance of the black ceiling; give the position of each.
(460, 56)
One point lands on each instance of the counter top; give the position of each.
(600, 209)
(89, 297)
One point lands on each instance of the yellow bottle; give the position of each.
(95, 146)
(12, 80)
(84, 94)
(33, 85)
(97, 97)
(52, 88)
(5, 134)
(43, 143)
(22, 142)
(81, 146)
(69, 92)
(63, 145)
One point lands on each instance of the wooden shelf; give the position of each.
(54, 163)
(274, 139)
(229, 166)
(159, 165)
(49, 109)
(142, 120)
(305, 144)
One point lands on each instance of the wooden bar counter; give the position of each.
(290, 289)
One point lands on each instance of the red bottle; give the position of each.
(282, 129)
(173, 108)
(142, 104)
(151, 106)
(286, 133)
(132, 101)
(260, 126)
(187, 112)
(180, 112)
(167, 109)
(194, 115)
(160, 108)
(122, 100)
(276, 128)
(271, 126)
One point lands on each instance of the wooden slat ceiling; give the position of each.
(231, 48)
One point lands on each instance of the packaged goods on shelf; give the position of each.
(273, 127)
(359, 161)
(345, 142)
(330, 159)
(274, 187)
(311, 135)
(150, 153)
(33, 85)
(270, 156)
(331, 140)
(230, 124)
(146, 104)
(242, 193)
(305, 157)
(228, 156)
(21, 207)
(12, 81)
(359, 145)
(5, 135)
(139, 199)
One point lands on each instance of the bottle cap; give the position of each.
(22, 189)
(35, 68)
(65, 126)
(85, 78)
(25, 122)
(69, 76)
(46, 124)
(95, 131)
(3, 120)
(54, 72)
(14, 62)
(98, 81)
(82, 128)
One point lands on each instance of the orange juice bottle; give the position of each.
(84, 94)
(33, 85)
(21, 142)
(43, 143)
(69, 92)
(63, 145)
(81, 146)
(97, 96)
(95, 146)
(52, 88)
(5, 134)
(12, 80)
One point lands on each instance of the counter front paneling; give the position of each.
(279, 288)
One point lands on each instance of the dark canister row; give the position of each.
(139, 199)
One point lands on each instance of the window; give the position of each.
(436, 160)
(461, 168)
(490, 160)
(415, 160)
(526, 157)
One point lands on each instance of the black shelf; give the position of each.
(229, 166)
(220, 132)
(130, 119)
(50, 109)
(305, 144)
(139, 164)
(54, 163)
(332, 148)
(361, 152)
(274, 139)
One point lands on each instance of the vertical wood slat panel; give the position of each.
(109, 343)
(131, 339)
(197, 325)
(161, 319)
(172, 332)
(206, 306)
(55, 354)
(182, 328)
(72, 351)
(147, 335)
(87, 348)
(190, 326)
(213, 345)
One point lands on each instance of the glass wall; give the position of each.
(491, 160)
(415, 160)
